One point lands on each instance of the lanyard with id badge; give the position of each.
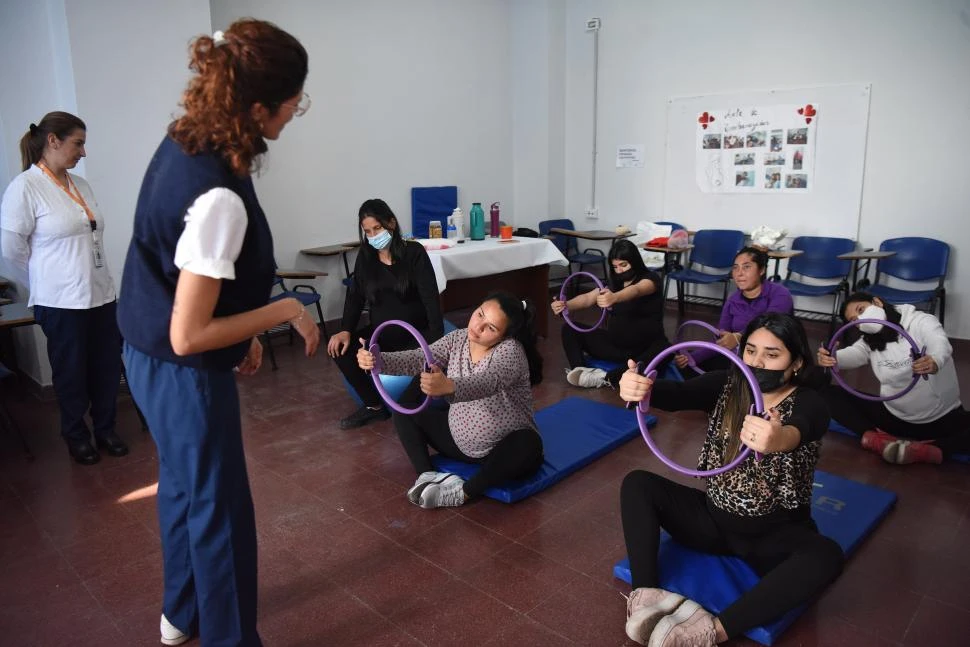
(75, 194)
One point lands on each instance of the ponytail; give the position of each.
(521, 327)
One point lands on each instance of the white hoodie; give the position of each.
(930, 399)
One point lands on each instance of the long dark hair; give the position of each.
(790, 331)
(254, 62)
(521, 316)
(32, 144)
(877, 341)
(379, 210)
(624, 250)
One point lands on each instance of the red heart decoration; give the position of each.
(705, 119)
(808, 111)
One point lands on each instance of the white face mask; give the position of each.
(872, 312)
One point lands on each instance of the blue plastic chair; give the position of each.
(821, 263)
(570, 249)
(714, 249)
(432, 203)
(917, 260)
(305, 294)
(674, 226)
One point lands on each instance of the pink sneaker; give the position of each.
(903, 452)
(876, 440)
(689, 626)
(644, 609)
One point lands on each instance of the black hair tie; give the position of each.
(33, 129)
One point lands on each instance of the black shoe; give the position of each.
(363, 416)
(113, 445)
(83, 452)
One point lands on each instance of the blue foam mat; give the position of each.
(575, 432)
(845, 510)
(837, 428)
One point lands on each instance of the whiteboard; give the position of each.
(830, 208)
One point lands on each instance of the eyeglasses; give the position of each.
(300, 108)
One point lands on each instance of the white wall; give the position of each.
(916, 54)
(36, 77)
(120, 66)
(404, 94)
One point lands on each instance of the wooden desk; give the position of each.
(592, 234)
(671, 255)
(298, 274)
(779, 254)
(334, 250)
(5, 301)
(865, 257)
(12, 316)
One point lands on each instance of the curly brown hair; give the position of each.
(254, 62)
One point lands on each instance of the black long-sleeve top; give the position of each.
(779, 484)
(419, 305)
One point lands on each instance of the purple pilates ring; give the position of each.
(644, 406)
(565, 311)
(702, 324)
(915, 352)
(375, 372)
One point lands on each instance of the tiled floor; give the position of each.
(346, 560)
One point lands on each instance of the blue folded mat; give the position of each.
(836, 427)
(670, 373)
(845, 510)
(575, 432)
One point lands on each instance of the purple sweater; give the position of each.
(738, 312)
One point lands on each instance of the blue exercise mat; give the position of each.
(575, 432)
(845, 510)
(670, 373)
(837, 428)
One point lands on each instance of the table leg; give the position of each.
(777, 275)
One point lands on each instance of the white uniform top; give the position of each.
(46, 238)
(930, 399)
(215, 226)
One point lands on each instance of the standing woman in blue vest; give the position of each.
(195, 292)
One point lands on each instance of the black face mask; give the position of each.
(625, 276)
(768, 379)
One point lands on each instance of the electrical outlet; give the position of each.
(592, 213)
(593, 24)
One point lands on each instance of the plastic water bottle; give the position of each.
(476, 224)
(457, 219)
(452, 232)
(493, 216)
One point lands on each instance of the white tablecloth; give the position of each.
(483, 257)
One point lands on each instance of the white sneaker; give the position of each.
(170, 634)
(588, 378)
(424, 479)
(449, 492)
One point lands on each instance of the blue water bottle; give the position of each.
(476, 222)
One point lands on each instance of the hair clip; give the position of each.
(219, 38)
(524, 307)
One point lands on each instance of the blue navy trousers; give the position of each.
(84, 349)
(205, 509)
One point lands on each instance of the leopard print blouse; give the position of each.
(780, 480)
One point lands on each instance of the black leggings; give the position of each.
(361, 382)
(517, 455)
(950, 432)
(793, 560)
(601, 345)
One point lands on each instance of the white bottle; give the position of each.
(458, 220)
